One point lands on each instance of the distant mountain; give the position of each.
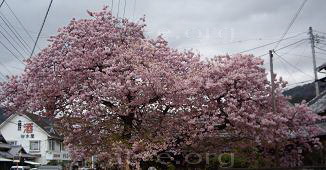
(305, 92)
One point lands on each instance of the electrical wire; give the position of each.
(287, 52)
(118, 9)
(20, 22)
(2, 75)
(18, 36)
(284, 47)
(264, 45)
(112, 4)
(295, 67)
(39, 33)
(321, 43)
(11, 52)
(290, 44)
(2, 3)
(320, 48)
(12, 38)
(134, 9)
(4, 66)
(11, 43)
(17, 68)
(291, 23)
(296, 45)
(301, 82)
(320, 53)
(283, 65)
(320, 32)
(317, 56)
(14, 31)
(124, 9)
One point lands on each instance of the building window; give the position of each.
(51, 145)
(19, 125)
(62, 147)
(34, 146)
(12, 143)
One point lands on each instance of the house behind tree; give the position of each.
(35, 134)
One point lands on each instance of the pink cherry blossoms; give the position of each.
(126, 98)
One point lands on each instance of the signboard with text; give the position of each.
(28, 131)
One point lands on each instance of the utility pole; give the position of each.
(272, 79)
(312, 39)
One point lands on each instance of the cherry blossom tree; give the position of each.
(125, 98)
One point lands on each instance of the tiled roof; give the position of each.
(2, 139)
(318, 104)
(9, 152)
(4, 154)
(3, 115)
(19, 151)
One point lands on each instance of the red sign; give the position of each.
(28, 128)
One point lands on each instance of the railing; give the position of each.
(57, 155)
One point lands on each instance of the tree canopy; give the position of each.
(124, 97)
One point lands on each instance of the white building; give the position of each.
(35, 134)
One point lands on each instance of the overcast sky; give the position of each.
(210, 27)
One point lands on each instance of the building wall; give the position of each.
(23, 137)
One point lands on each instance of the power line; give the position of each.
(124, 9)
(301, 82)
(2, 74)
(294, 47)
(246, 40)
(39, 33)
(2, 3)
(14, 31)
(290, 44)
(283, 47)
(300, 55)
(118, 9)
(291, 23)
(134, 9)
(287, 70)
(112, 3)
(18, 36)
(295, 67)
(264, 45)
(320, 48)
(320, 53)
(287, 52)
(320, 32)
(11, 52)
(19, 21)
(11, 43)
(321, 43)
(12, 38)
(3, 77)
(4, 66)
